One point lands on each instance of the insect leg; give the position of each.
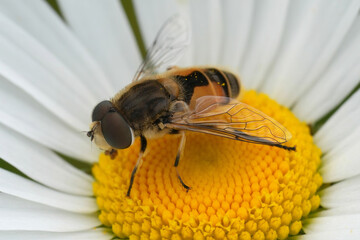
(178, 155)
(138, 162)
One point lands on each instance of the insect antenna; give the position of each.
(90, 134)
(138, 163)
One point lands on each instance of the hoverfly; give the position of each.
(199, 99)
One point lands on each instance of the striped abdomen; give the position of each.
(198, 82)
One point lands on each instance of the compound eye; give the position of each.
(100, 110)
(117, 133)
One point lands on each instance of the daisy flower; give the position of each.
(299, 62)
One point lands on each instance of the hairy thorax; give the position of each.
(144, 105)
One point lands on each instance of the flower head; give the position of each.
(237, 189)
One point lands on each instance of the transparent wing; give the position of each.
(168, 47)
(226, 117)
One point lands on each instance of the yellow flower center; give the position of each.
(238, 190)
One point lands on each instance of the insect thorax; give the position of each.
(143, 104)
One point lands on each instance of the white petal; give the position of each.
(309, 27)
(150, 21)
(91, 234)
(19, 214)
(20, 69)
(338, 81)
(41, 164)
(237, 24)
(341, 125)
(332, 223)
(348, 209)
(328, 53)
(23, 114)
(267, 28)
(18, 186)
(206, 31)
(37, 51)
(338, 138)
(57, 38)
(341, 194)
(103, 28)
(347, 234)
(343, 161)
